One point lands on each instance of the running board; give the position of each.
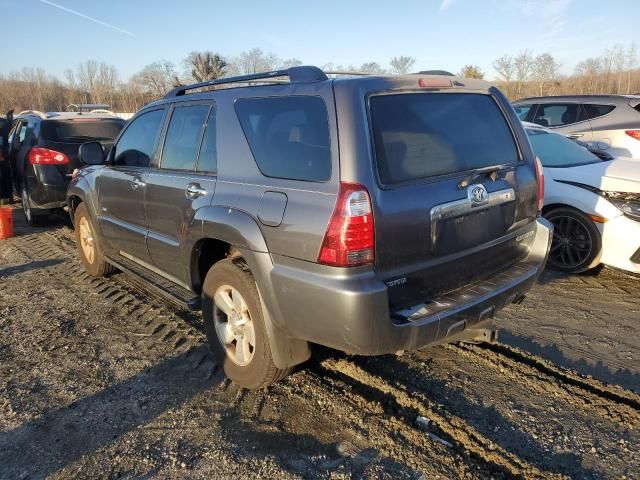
(160, 285)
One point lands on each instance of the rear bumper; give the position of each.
(47, 187)
(351, 313)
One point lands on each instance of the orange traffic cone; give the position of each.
(6, 223)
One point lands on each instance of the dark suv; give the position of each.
(368, 214)
(43, 152)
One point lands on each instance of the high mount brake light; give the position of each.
(44, 156)
(350, 238)
(540, 177)
(435, 83)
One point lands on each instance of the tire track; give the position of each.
(586, 393)
(449, 428)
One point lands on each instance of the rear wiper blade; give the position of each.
(474, 174)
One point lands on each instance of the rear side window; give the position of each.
(522, 111)
(422, 135)
(595, 111)
(81, 130)
(289, 136)
(559, 114)
(137, 144)
(183, 137)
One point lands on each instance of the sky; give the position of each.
(440, 34)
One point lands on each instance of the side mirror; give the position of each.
(91, 153)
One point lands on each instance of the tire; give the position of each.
(229, 334)
(577, 243)
(89, 248)
(33, 216)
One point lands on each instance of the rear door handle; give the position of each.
(136, 183)
(575, 135)
(194, 190)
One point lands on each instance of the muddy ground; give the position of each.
(99, 378)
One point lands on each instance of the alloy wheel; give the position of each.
(86, 240)
(233, 325)
(572, 242)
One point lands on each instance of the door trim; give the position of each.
(156, 270)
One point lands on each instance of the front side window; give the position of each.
(137, 145)
(558, 114)
(183, 137)
(594, 111)
(558, 151)
(289, 136)
(421, 135)
(208, 159)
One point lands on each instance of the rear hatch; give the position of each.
(66, 136)
(454, 190)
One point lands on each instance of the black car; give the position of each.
(43, 152)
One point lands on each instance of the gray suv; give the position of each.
(368, 214)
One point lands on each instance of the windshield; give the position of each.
(82, 130)
(557, 151)
(420, 135)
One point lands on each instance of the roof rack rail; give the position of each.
(349, 73)
(37, 113)
(301, 74)
(103, 111)
(436, 72)
(87, 107)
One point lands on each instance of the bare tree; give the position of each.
(504, 67)
(471, 71)
(371, 67)
(291, 62)
(522, 65)
(401, 64)
(157, 78)
(545, 71)
(255, 61)
(631, 63)
(205, 66)
(588, 71)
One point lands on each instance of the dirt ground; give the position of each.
(99, 378)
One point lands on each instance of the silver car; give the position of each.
(609, 122)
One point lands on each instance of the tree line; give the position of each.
(522, 74)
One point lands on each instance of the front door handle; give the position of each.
(575, 135)
(194, 190)
(136, 184)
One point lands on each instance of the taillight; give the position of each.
(44, 156)
(633, 134)
(540, 178)
(350, 237)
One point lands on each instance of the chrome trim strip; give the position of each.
(477, 199)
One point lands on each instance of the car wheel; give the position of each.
(33, 216)
(88, 244)
(235, 325)
(577, 243)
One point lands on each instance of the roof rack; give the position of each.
(37, 113)
(87, 107)
(436, 72)
(302, 74)
(103, 111)
(349, 73)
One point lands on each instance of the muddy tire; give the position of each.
(89, 247)
(577, 243)
(235, 325)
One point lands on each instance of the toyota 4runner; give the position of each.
(369, 214)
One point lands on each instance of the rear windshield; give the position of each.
(557, 151)
(421, 135)
(81, 130)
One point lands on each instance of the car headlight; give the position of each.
(627, 203)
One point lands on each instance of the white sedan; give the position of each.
(594, 204)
